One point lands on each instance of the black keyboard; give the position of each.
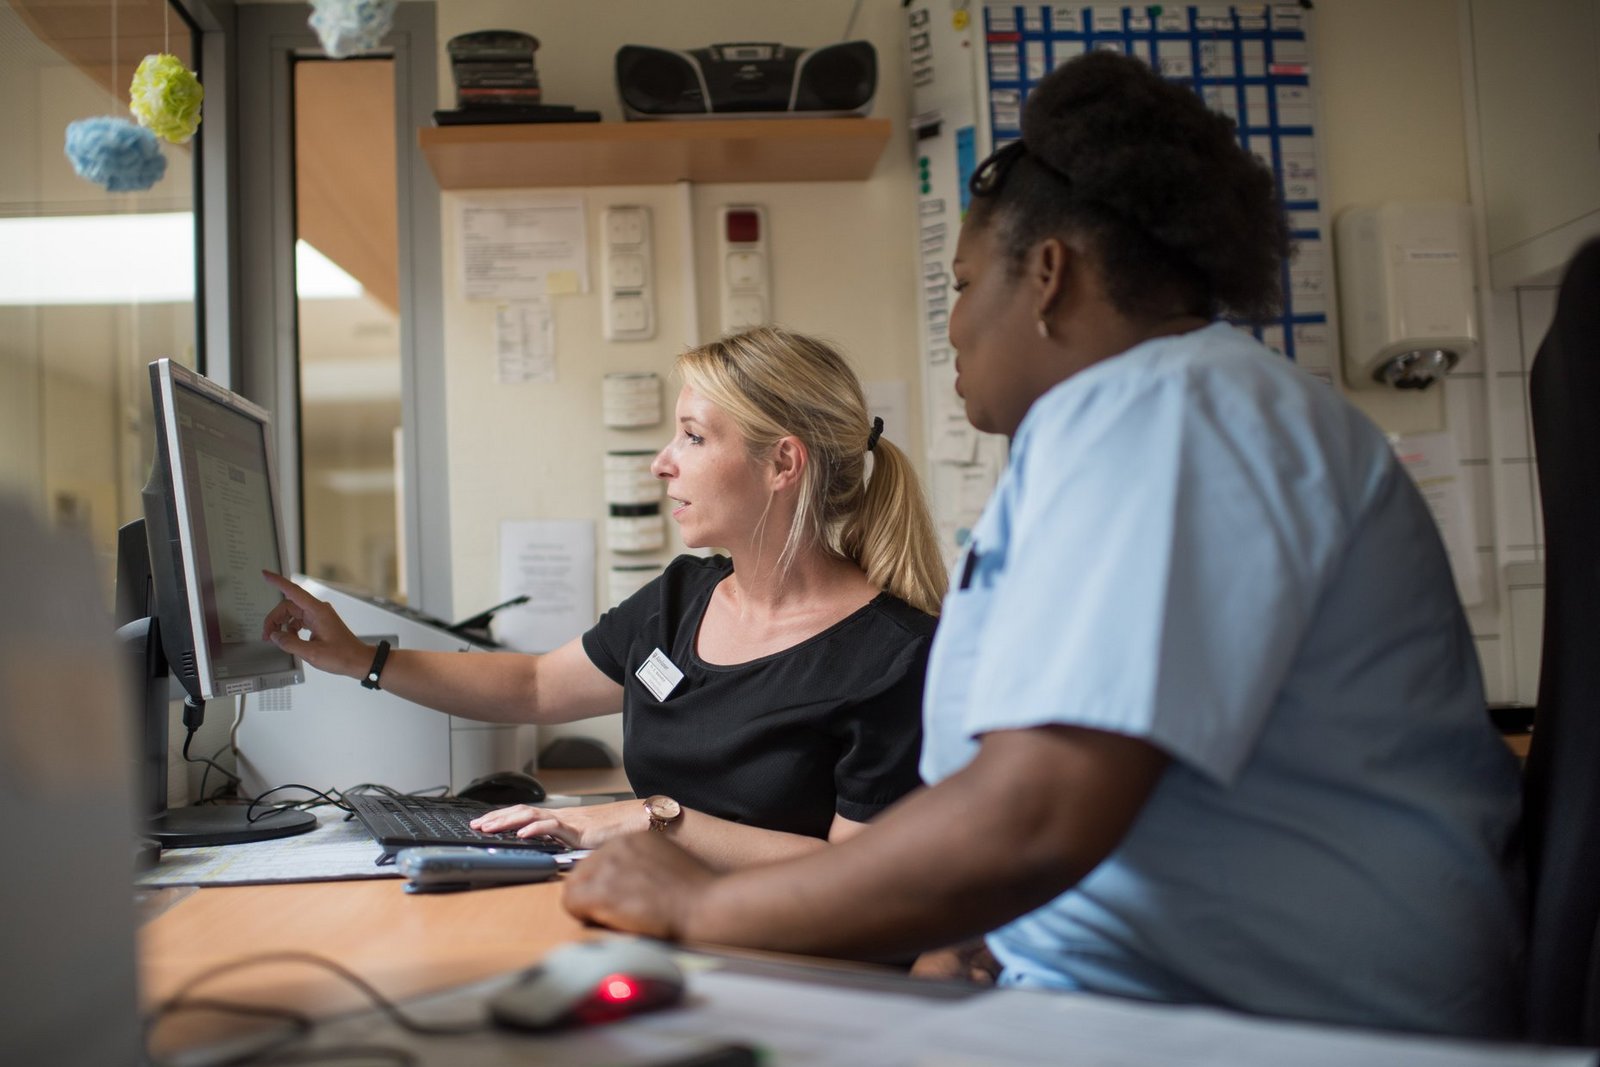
(397, 822)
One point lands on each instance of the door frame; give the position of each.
(270, 38)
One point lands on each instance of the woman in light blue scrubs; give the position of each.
(1204, 719)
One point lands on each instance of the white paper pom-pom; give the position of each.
(350, 27)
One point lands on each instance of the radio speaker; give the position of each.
(749, 80)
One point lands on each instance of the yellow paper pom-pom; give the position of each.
(166, 98)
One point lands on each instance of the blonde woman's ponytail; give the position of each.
(891, 534)
(774, 384)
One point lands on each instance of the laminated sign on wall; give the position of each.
(1251, 62)
(972, 67)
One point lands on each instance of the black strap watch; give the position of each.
(374, 672)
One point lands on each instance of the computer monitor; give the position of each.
(190, 592)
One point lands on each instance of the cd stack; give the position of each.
(494, 69)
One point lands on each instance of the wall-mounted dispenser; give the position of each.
(1405, 292)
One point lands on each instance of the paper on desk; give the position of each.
(336, 850)
(831, 1021)
(1029, 1028)
(791, 1022)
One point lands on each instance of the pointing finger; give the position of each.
(291, 592)
(289, 642)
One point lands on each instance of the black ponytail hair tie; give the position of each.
(877, 432)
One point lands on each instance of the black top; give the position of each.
(833, 724)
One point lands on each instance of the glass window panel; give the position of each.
(349, 329)
(107, 281)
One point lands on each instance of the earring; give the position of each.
(1044, 329)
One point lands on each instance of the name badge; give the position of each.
(659, 675)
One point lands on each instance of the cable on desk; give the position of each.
(233, 731)
(322, 798)
(231, 745)
(300, 1023)
(334, 797)
(233, 779)
(224, 791)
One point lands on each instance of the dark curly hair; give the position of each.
(1181, 219)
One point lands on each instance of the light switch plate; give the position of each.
(744, 263)
(628, 295)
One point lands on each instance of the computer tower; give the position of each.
(330, 733)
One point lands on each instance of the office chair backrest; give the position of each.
(1562, 784)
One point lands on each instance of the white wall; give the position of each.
(1389, 80)
(1518, 523)
(1395, 127)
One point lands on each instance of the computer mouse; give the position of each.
(589, 982)
(504, 788)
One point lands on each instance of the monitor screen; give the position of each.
(215, 455)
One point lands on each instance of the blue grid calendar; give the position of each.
(1251, 62)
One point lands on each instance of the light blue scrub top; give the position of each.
(1197, 544)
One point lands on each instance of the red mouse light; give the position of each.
(618, 988)
(590, 982)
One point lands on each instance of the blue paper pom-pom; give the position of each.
(115, 153)
(348, 27)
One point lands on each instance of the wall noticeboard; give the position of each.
(1251, 62)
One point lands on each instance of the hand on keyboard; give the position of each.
(588, 826)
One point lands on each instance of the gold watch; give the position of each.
(663, 812)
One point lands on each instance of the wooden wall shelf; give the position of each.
(653, 153)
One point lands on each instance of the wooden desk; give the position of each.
(403, 945)
(610, 780)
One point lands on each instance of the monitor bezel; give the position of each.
(169, 377)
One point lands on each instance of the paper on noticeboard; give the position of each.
(552, 561)
(521, 248)
(524, 341)
(1433, 463)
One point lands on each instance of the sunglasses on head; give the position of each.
(991, 173)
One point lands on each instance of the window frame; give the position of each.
(261, 331)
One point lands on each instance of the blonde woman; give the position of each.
(802, 651)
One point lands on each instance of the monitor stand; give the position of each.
(208, 824)
(204, 824)
(140, 634)
(224, 824)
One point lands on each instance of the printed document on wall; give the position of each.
(524, 341)
(552, 562)
(1432, 462)
(517, 248)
